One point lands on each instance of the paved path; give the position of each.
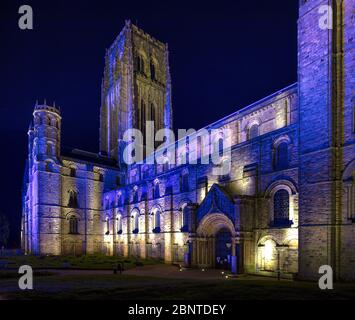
(173, 272)
(160, 271)
(164, 271)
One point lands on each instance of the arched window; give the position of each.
(226, 167)
(119, 224)
(156, 216)
(281, 156)
(73, 199)
(135, 222)
(144, 193)
(135, 196)
(220, 147)
(72, 172)
(156, 191)
(140, 64)
(282, 208)
(184, 182)
(168, 189)
(152, 112)
(152, 71)
(166, 165)
(184, 218)
(180, 223)
(107, 222)
(73, 225)
(253, 131)
(120, 200)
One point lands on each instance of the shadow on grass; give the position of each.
(146, 288)
(78, 262)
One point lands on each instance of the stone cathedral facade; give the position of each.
(287, 205)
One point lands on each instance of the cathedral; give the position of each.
(286, 207)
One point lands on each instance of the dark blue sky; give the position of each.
(223, 56)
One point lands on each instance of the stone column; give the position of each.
(198, 249)
(169, 237)
(213, 252)
(127, 252)
(192, 217)
(143, 242)
(193, 251)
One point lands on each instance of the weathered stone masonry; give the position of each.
(287, 205)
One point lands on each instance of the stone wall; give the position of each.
(314, 119)
(326, 138)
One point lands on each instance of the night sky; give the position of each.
(224, 55)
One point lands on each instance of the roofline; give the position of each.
(134, 28)
(254, 104)
(236, 113)
(68, 158)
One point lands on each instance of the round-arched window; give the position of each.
(73, 225)
(281, 208)
(156, 217)
(253, 131)
(282, 156)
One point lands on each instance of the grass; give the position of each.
(125, 287)
(78, 285)
(81, 262)
(15, 275)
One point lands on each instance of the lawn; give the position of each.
(81, 262)
(126, 287)
(86, 283)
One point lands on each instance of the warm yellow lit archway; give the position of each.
(207, 233)
(214, 222)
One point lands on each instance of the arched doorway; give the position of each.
(223, 249)
(215, 243)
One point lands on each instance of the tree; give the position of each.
(4, 230)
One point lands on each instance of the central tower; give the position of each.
(136, 88)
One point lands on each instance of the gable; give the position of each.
(216, 201)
